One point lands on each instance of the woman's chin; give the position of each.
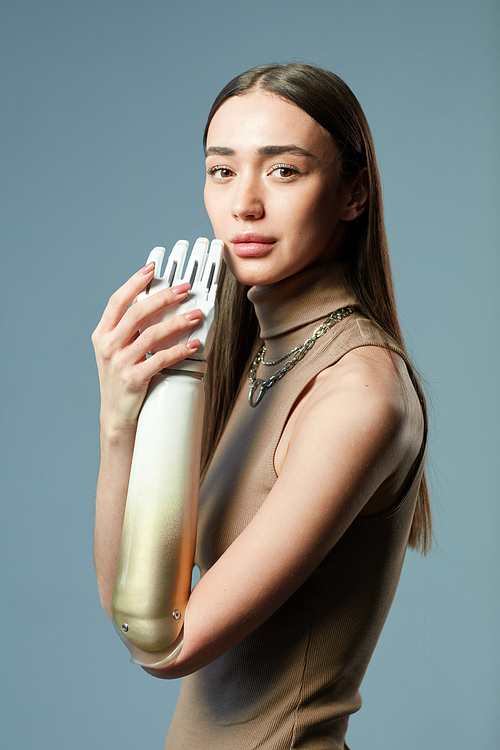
(252, 272)
(259, 279)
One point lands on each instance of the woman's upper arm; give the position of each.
(346, 441)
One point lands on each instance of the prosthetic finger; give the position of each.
(202, 272)
(153, 579)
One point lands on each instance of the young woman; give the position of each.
(313, 480)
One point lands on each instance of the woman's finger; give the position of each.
(159, 333)
(136, 316)
(124, 296)
(165, 358)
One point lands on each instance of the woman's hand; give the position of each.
(121, 347)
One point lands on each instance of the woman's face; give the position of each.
(272, 190)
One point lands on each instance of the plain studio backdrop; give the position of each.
(103, 107)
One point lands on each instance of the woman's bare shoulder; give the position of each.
(369, 387)
(383, 372)
(368, 376)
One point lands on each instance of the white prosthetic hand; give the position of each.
(153, 578)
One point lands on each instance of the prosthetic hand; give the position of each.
(153, 578)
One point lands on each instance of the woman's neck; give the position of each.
(307, 296)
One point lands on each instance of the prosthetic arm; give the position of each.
(153, 579)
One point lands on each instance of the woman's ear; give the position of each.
(357, 196)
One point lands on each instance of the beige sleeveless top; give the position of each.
(295, 680)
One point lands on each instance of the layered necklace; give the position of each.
(259, 387)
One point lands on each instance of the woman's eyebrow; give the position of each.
(262, 151)
(220, 150)
(288, 149)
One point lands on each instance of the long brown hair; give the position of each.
(329, 101)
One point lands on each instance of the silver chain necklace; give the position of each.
(258, 387)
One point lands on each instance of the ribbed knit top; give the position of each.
(295, 680)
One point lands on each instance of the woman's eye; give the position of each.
(221, 173)
(283, 171)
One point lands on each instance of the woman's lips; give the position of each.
(252, 245)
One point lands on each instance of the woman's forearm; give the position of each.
(116, 457)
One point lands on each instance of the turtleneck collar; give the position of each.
(307, 296)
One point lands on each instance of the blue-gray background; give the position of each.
(102, 108)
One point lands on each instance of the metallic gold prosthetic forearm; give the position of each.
(153, 579)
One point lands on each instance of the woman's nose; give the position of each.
(248, 202)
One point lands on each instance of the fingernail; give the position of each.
(193, 344)
(181, 288)
(147, 269)
(193, 315)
